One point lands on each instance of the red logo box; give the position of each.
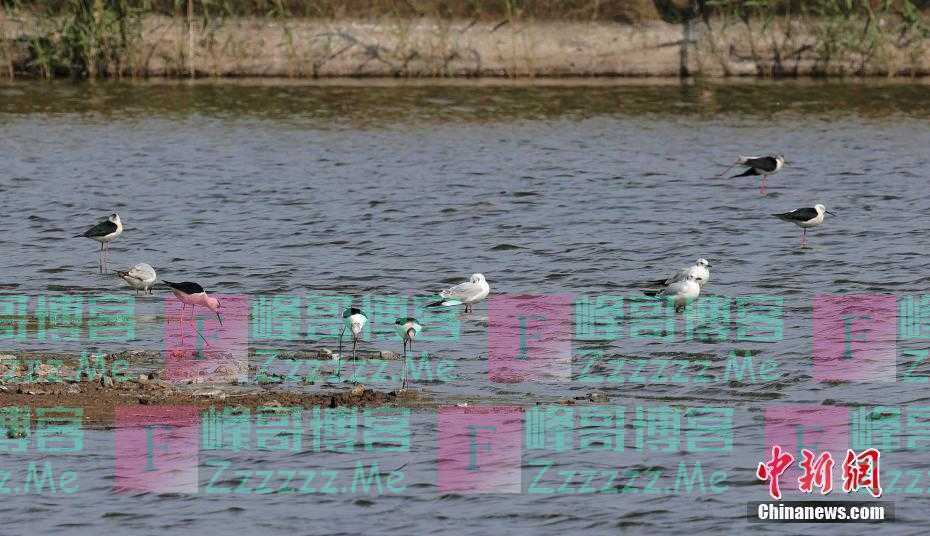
(202, 347)
(480, 449)
(855, 337)
(157, 449)
(812, 427)
(530, 338)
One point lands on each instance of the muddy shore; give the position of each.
(424, 47)
(99, 399)
(122, 380)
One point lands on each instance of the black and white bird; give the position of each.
(140, 277)
(407, 329)
(353, 320)
(681, 293)
(700, 269)
(805, 218)
(472, 291)
(104, 232)
(193, 294)
(759, 165)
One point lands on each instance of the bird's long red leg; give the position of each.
(181, 324)
(762, 186)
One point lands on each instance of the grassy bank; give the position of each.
(434, 38)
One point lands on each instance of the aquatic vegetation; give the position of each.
(769, 38)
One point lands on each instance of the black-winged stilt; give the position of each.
(805, 218)
(104, 232)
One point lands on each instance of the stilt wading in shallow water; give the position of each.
(193, 294)
(104, 232)
(700, 270)
(472, 291)
(759, 165)
(805, 218)
(140, 277)
(408, 329)
(353, 320)
(681, 293)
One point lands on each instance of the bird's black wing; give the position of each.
(801, 214)
(748, 173)
(351, 311)
(101, 229)
(765, 163)
(186, 287)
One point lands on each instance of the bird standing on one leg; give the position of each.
(759, 165)
(407, 328)
(805, 218)
(104, 232)
(140, 277)
(354, 320)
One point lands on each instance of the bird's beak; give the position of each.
(218, 318)
(830, 213)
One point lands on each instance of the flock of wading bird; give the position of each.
(681, 288)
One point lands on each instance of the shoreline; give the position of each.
(436, 49)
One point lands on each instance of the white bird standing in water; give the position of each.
(408, 329)
(805, 218)
(700, 270)
(140, 277)
(469, 292)
(104, 232)
(354, 320)
(680, 292)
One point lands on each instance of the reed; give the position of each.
(107, 38)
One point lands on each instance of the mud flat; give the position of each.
(99, 399)
(99, 387)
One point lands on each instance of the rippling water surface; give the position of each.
(556, 188)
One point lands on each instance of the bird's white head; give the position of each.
(477, 278)
(702, 262)
(821, 209)
(114, 218)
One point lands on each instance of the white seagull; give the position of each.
(805, 218)
(104, 232)
(759, 165)
(140, 277)
(469, 292)
(681, 292)
(407, 328)
(354, 320)
(699, 269)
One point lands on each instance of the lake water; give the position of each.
(584, 189)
